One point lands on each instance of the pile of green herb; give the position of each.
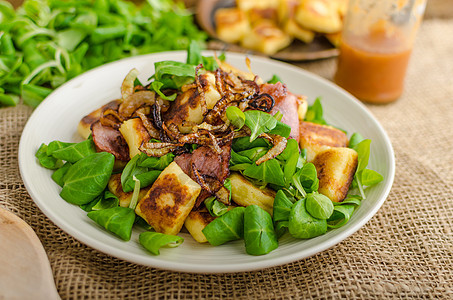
(47, 42)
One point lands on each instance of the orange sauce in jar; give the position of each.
(373, 68)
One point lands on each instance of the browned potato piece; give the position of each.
(317, 138)
(116, 189)
(266, 37)
(336, 168)
(319, 15)
(196, 221)
(297, 31)
(231, 24)
(135, 134)
(257, 15)
(245, 193)
(246, 5)
(169, 200)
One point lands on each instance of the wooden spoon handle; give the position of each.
(25, 271)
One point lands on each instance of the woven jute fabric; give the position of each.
(404, 251)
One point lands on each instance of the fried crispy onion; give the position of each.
(158, 149)
(279, 144)
(135, 101)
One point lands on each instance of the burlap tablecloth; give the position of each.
(405, 251)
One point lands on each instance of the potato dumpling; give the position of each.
(135, 134)
(319, 15)
(316, 138)
(336, 168)
(169, 200)
(245, 193)
(231, 24)
(266, 37)
(196, 221)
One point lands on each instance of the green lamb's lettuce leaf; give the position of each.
(87, 178)
(275, 78)
(259, 122)
(73, 152)
(236, 116)
(215, 207)
(118, 220)
(302, 225)
(259, 234)
(45, 43)
(315, 113)
(267, 172)
(228, 227)
(145, 169)
(282, 207)
(319, 206)
(47, 161)
(153, 241)
(59, 174)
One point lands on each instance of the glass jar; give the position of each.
(377, 41)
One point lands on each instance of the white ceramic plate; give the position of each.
(57, 118)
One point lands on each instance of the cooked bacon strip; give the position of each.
(110, 140)
(211, 170)
(286, 103)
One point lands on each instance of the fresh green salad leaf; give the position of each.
(302, 225)
(118, 220)
(236, 116)
(259, 234)
(45, 43)
(282, 207)
(87, 178)
(228, 227)
(73, 152)
(315, 113)
(269, 171)
(275, 78)
(47, 161)
(215, 207)
(259, 122)
(145, 169)
(153, 241)
(58, 175)
(319, 205)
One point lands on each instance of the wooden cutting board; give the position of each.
(25, 271)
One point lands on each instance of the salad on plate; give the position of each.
(215, 151)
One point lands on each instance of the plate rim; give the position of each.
(205, 269)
